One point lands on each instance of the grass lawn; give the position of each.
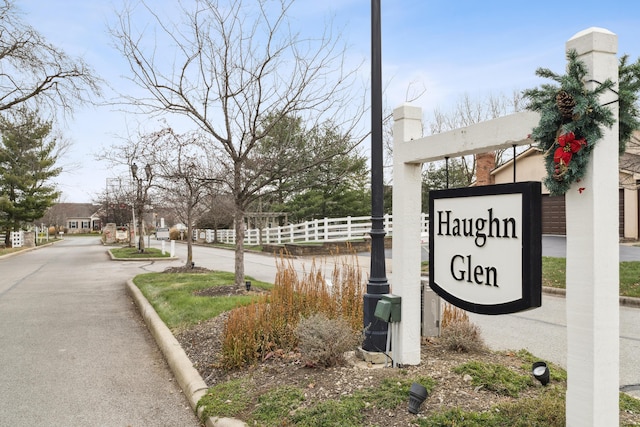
(172, 296)
(7, 251)
(554, 271)
(132, 253)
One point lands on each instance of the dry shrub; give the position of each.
(462, 336)
(458, 333)
(323, 341)
(453, 314)
(174, 234)
(253, 332)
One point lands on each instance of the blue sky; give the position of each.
(451, 47)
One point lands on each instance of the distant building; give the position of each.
(73, 218)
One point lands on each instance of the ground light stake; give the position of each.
(417, 395)
(540, 371)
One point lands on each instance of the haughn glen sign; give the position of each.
(485, 247)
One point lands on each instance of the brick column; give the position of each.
(485, 163)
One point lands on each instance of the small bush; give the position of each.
(323, 341)
(462, 336)
(174, 234)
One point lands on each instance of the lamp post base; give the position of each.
(375, 330)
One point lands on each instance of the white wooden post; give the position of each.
(593, 259)
(326, 229)
(407, 182)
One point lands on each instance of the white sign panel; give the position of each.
(162, 233)
(485, 247)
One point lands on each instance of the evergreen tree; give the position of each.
(334, 187)
(331, 178)
(28, 156)
(436, 177)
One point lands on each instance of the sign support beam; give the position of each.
(593, 329)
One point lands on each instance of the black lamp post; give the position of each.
(376, 329)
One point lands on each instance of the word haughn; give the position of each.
(480, 229)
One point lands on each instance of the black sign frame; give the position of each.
(531, 293)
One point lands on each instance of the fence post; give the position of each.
(593, 330)
(407, 182)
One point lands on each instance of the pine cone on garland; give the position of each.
(559, 172)
(565, 103)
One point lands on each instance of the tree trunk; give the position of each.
(189, 263)
(239, 261)
(141, 232)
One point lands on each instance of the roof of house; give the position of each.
(76, 210)
(526, 153)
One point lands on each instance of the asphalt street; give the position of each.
(73, 348)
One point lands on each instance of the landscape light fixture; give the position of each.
(540, 371)
(247, 285)
(417, 395)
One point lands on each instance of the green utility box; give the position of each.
(388, 308)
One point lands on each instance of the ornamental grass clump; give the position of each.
(268, 327)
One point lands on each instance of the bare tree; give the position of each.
(181, 168)
(35, 70)
(135, 189)
(468, 111)
(235, 64)
(219, 211)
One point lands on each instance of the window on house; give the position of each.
(85, 224)
(73, 224)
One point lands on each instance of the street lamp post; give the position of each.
(142, 187)
(376, 329)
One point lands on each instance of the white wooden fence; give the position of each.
(318, 230)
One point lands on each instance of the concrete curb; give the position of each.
(624, 301)
(190, 381)
(26, 250)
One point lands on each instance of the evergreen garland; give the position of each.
(571, 120)
(629, 86)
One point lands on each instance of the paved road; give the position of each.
(556, 246)
(73, 349)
